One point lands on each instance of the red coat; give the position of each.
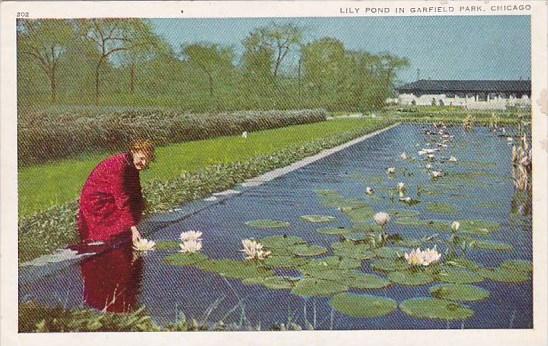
(111, 200)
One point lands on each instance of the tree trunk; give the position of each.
(132, 79)
(97, 81)
(53, 86)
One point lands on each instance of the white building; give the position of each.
(470, 94)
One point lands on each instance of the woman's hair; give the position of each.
(143, 145)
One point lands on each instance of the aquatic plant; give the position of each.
(191, 246)
(436, 174)
(417, 257)
(403, 156)
(369, 190)
(190, 235)
(381, 218)
(253, 250)
(391, 170)
(143, 245)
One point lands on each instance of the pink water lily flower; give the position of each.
(254, 250)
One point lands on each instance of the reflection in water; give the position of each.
(112, 279)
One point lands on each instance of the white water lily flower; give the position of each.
(369, 190)
(143, 245)
(509, 139)
(190, 246)
(405, 199)
(254, 250)
(437, 174)
(244, 134)
(455, 225)
(453, 159)
(431, 156)
(391, 170)
(430, 256)
(401, 187)
(414, 258)
(403, 156)
(428, 166)
(381, 218)
(190, 235)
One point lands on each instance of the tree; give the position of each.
(323, 61)
(45, 42)
(209, 58)
(112, 36)
(266, 48)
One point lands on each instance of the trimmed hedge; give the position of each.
(55, 227)
(47, 136)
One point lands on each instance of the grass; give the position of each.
(46, 185)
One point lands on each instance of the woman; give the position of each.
(111, 202)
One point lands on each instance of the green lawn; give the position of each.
(46, 185)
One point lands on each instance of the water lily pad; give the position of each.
(459, 292)
(433, 308)
(409, 243)
(333, 231)
(167, 245)
(390, 252)
(441, 208)
(234, 269)
(480, 227)
(389, 265)
(459, 276)
(356, 236)
(308, 250)
(517, 264)
(504, 275)
(463, 263)
(318, 218)
(330, 274)
(360, 280)
(359, 215)
(491, 245)
(410, 278)
(330, 263)
(311, 287)
(276, 283)
(363, 305)
(281, 242)
(284, 262)
(352, 250)
(366, 228)
(185, 259)
(267, 223)
(399, 213)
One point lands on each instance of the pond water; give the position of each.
(478, 186)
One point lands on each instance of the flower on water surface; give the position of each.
(428, 166)
(143, 245)
(401, 187)
(422, 258)
(405, 199)
(381, 218)
(254, 250)
(191, 246)
(414, 258)
(455, 225)
(437, 174)
(391, 170)
(369, 190)
(452, 159)
(190, 235)
(431, 156)
(403, 156)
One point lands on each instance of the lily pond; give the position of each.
(334, 262)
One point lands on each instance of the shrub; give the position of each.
(48, 136)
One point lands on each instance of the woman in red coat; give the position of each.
(111, 202)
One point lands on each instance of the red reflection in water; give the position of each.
(112, 279)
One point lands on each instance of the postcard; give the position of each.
(263, 172)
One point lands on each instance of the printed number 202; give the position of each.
(22, 15)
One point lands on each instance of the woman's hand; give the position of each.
(135, 235)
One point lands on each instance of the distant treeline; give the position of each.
(123, 62)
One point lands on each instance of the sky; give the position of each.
(458, 47)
